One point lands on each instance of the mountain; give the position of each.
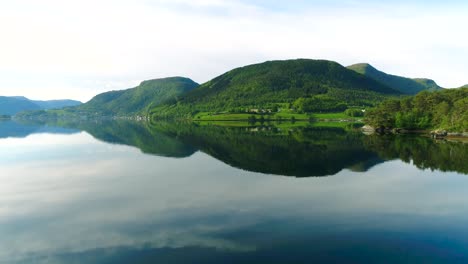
(464, 86)
(261, 85)
(15, 104)
(56, 104)
(402, 84)
(148, 94)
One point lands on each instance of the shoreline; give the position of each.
(436, 134)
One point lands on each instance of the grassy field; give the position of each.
(341, 115)
(202, 116)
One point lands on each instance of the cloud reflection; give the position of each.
(76, 194)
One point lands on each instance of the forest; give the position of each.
(447, 109)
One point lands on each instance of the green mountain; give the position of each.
(464, 86)
(15, 104)
(262, 85)
(402, 84)
(148, 94)
(127, 102)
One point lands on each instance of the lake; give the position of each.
(125, 192)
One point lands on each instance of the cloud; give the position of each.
(56, 49)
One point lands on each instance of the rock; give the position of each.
(438, 133)
(367, 128)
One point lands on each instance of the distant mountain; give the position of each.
(11, 105)
(402, 84)
(279, 82)
(57, 104)
(148, 94)
(464, 86)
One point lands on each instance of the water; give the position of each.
(121, 192)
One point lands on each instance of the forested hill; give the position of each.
(402, 84)
(128, 102)
(148, 94)
(15, 104)
(262, 85)
(447, 109)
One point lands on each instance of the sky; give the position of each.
(55, 49)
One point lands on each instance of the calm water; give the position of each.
(121, 192)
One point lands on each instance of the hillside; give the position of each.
(447, 109)
(147, 94)
(402, 84)
(266, 84)
(15, 104)
(127, 102)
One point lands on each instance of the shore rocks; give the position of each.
(436, 134)
(457, 134)
(439, 133)
(368, 128)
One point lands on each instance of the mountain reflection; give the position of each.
(423, 152)
(11, 129)
(299, 151)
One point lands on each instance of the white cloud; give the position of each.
(76, 47)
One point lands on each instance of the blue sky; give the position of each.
(75, 49)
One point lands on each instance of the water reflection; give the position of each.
(69, 198)
(299, 151)
(423, 152)
(9, 128)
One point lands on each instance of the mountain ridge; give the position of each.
(286, 87)
(137, 99)
(403, 84)
(279, 81)
(11, 105)
(124, 103)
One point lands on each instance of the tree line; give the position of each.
(447, 109)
